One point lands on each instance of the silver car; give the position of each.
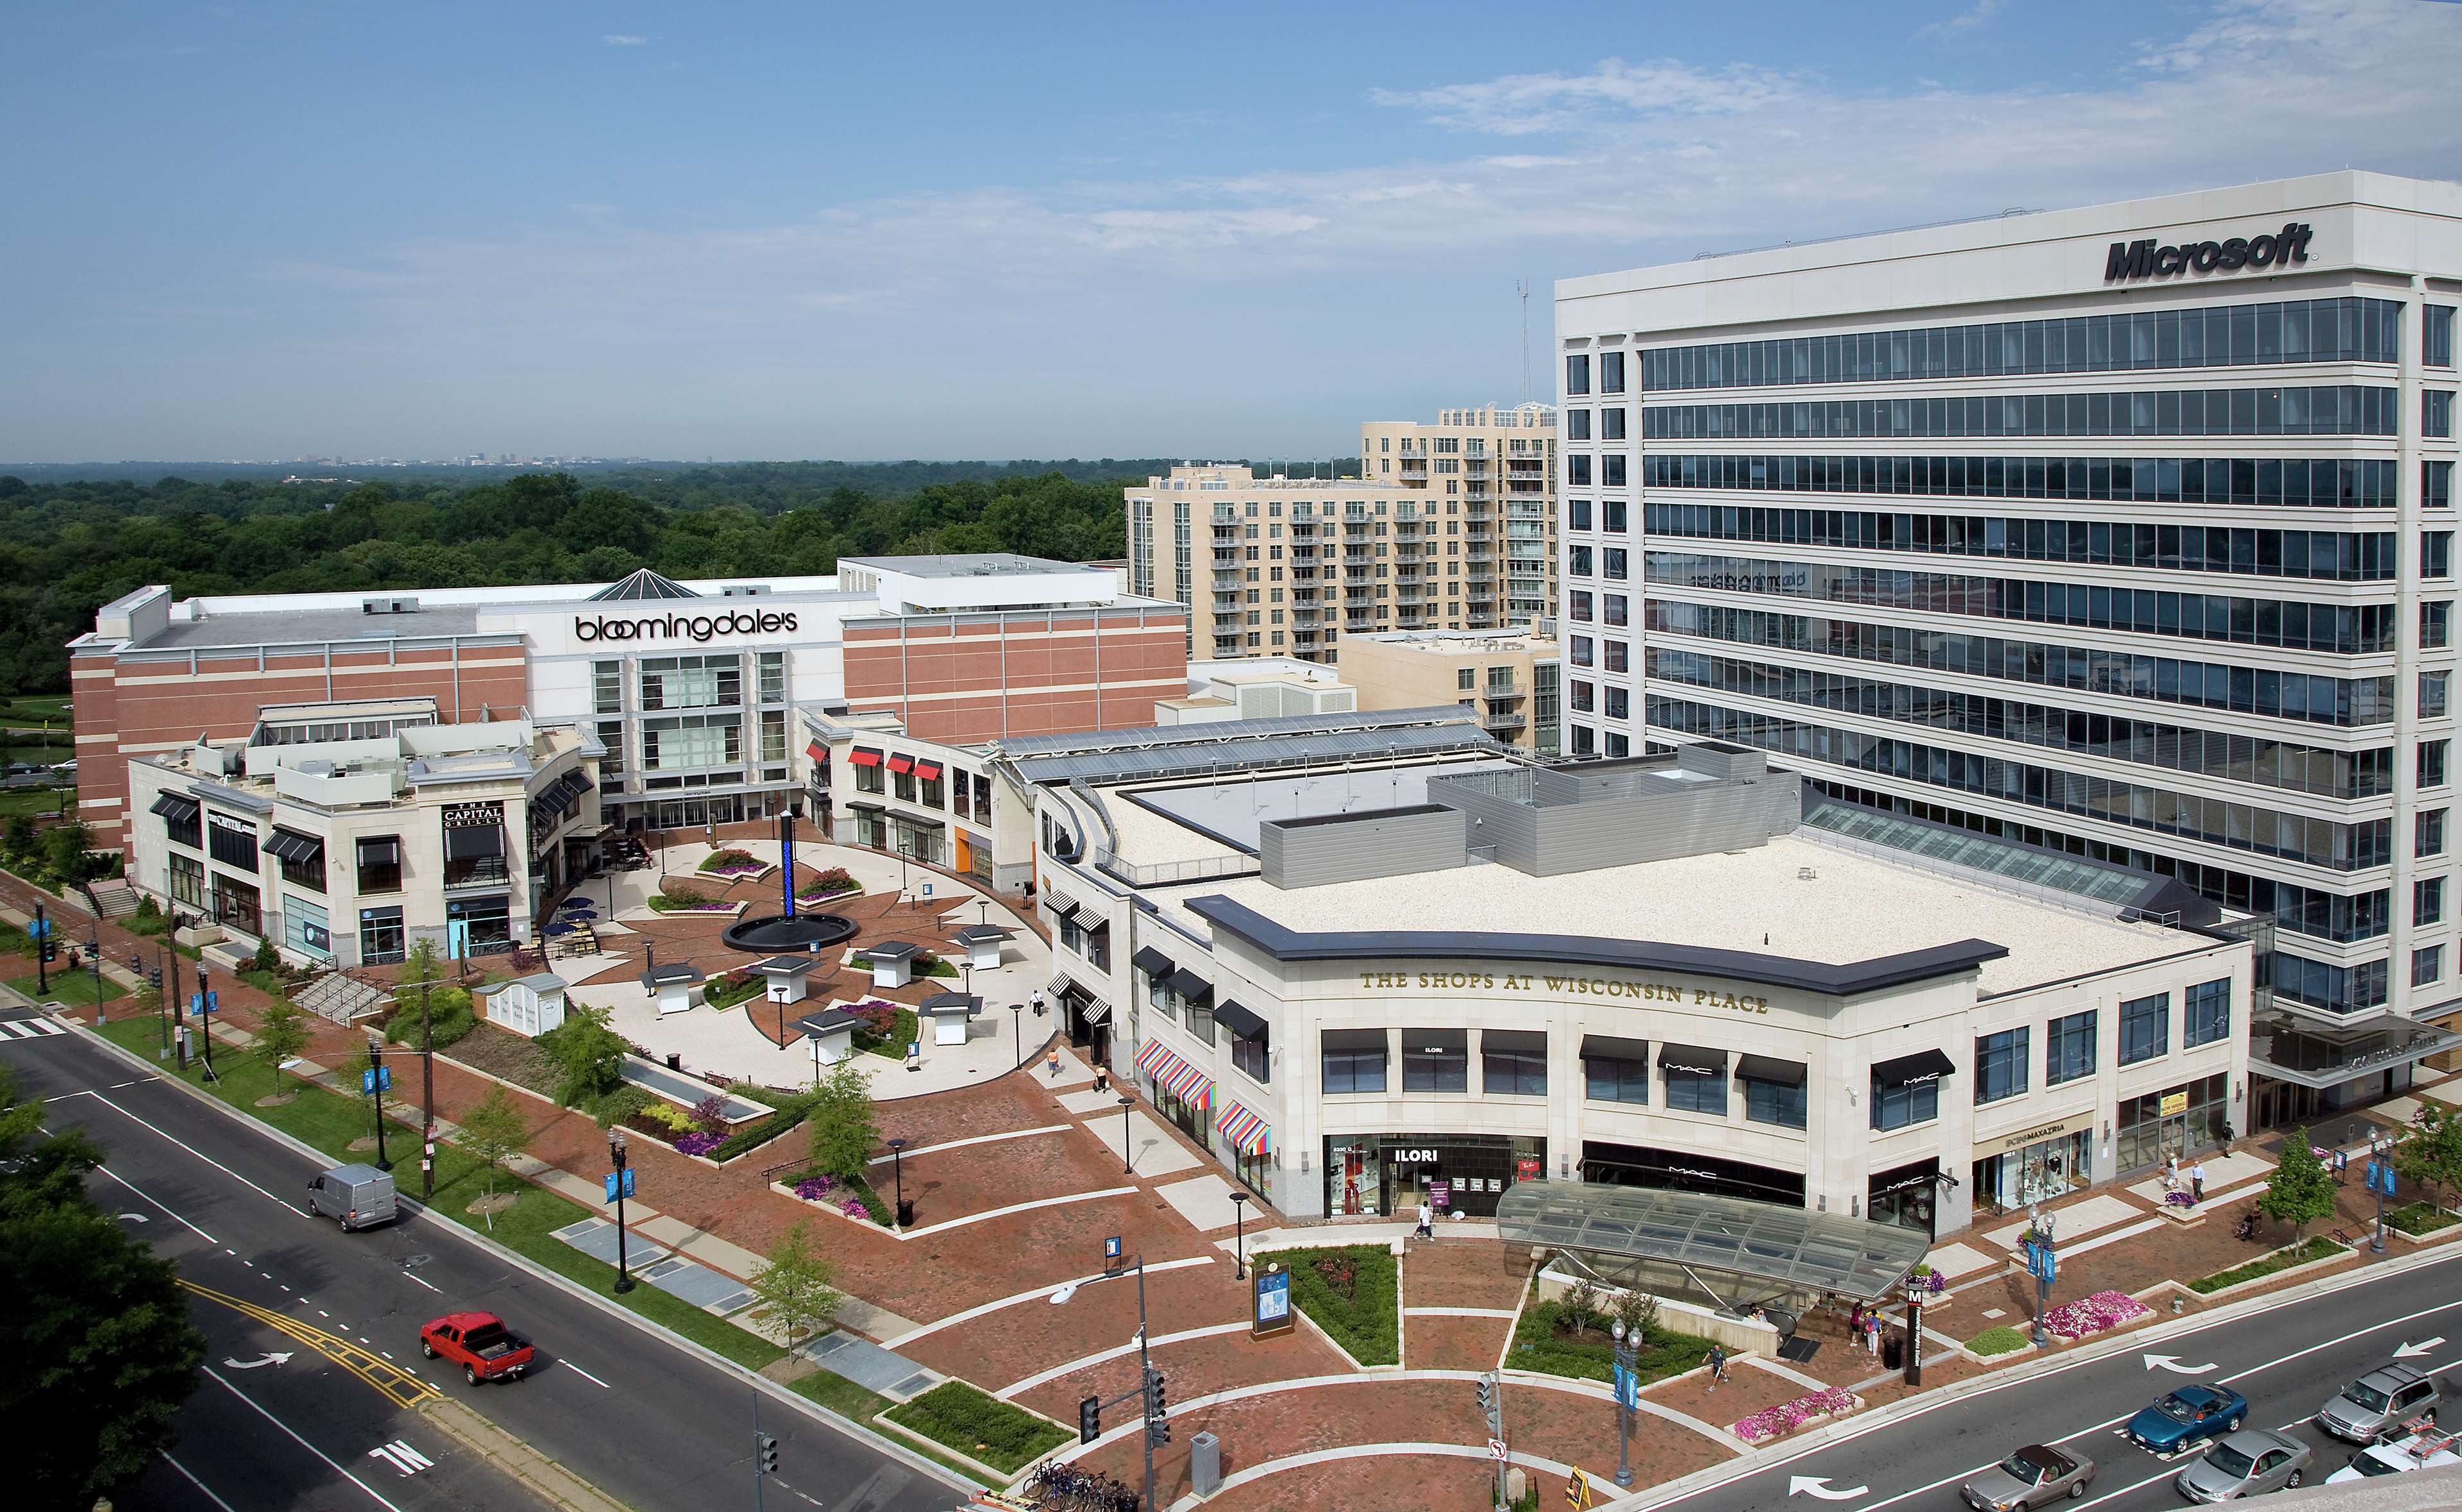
(2374, 1408)
(2035, 1476)
(2249, 1462)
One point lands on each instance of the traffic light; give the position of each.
(51, 948)
(1158, 1391)
(1158, 1433)
(1487, 1394)
(764, 1454)
(1090, 1419)
(154, 977)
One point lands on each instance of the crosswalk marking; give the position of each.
(29, 1029)
(402, 1457)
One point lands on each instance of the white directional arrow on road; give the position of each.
(258, 1363)
(2171, 1362)
(1819, 1486)
(135, 1217)
(2421, 1348)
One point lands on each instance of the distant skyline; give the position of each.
(784, 231)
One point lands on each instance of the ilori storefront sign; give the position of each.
(697, 628)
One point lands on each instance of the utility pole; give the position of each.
(427, 1091)
(42, 953)
(178, 1003)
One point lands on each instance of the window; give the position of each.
(2436, 624)
(2427, 965)
(1613, 610)
(1579, 561)
(607, 686)
(1253, 1057)
(610, 766)
(2436, 412)
(1577, 514)
(1577, 425)
(231, 842)
(380, 936)
(1577, 375)
(1610, 372)
(236, 905)
(1612, 563)
(1611, 473)
(1435, 1061)
(692, 741)
(1513, 1063)
(2436, 554)
(2431, 693)
(2001, 1064)
(2428, 900)
(1353, 1060)
(2068, 1049)
(2205, 1013)
(2428, 833)
(871, 778)
(380, 863)
(1577, 471)
(184, 824)
(1577, 605)
(774, 677)
(1619, 747)
(1774, 1092)
(692, 682)
(1611, 423)
(2431, 762)
(188, 882)
(1619, 702)
(1904, 1106)
(1586, 740)
(2437, 484)
(1613, 515)
(1619, 656)
(2145, 1028)
(1615, 1071)
(1584, 651)
(2437, 349)
(1693, 1092)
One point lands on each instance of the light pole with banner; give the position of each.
(2043, 1263)
(2380, 1187)
(1627, 1396)
(619, 1186)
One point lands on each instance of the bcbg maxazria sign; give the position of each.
(2149, 258)
(689, 627)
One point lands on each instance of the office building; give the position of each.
(2125, 532)
(1513, 678)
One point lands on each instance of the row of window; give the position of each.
(1577, 373)
(1612, 472)
(712, 681)
(2330, 409)
(2341, 329)
(2347, 629)
(2353, 556)
(2343, 701)
(1611, 421)
(2003, 1061)
(2296, 483)
(2209, 753)
(2236, 826)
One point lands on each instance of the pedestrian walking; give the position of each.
(2198, 1184)
(1872, 1332)
(1716, 1361)
(1036, 1001)
(1427, 1219)
(2170, 1172)
(1051, 1065)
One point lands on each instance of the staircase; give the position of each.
(342, 998)
(113, 898)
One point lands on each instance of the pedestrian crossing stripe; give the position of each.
(29, 1029)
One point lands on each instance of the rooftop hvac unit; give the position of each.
(388, 606)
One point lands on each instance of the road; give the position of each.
(2286, 1360)
(646, 1421)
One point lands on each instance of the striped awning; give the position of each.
(1246, 1131)
(1097, 1010)
(1176, 1076)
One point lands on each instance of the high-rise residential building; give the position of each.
(1448, 529)
(1511, 679)
(2124, 531)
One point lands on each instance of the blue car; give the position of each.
(2187, 1419)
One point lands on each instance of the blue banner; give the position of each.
(2381, 1178)
(1627, 1388)
(376, 1079)
(627, 1175)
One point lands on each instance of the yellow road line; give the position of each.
(397, 1385)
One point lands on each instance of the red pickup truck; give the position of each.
(479, 1342)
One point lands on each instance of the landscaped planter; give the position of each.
(841, 893)
(1786, 1417)
(2097, 1313)
(2340, 1253)
(834, 1203)
(659, 905)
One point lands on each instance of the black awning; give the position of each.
(289, 845)
(1059, 905)
(868, 807)
(1923, 1066)
(1239, 1020)
(1513, 1041)
(1614, 1048)
(1435, 1041)
(1191, 986)
(1692, 1060)
(915, 821)
(1353, 1040)
(1152, 961)
(1762, 1069)
(173, 808)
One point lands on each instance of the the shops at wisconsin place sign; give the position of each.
(1567, 985)
(685, 627)
(2151, 257)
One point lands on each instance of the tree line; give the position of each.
(68, 546)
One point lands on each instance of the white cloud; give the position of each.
(1964, 21)
(1521, 103)
(624, 39)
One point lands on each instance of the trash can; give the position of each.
(1205, 1464)
(1893, 1353)
(676, 1062)
(906, 1213)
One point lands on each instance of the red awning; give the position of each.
(864, 756)
(927, 771)
(818, 751)
(900, 761)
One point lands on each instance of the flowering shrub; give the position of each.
(1925, 1278)
(836, 879)
(699, 1142)
(732, 862)
(1788, 1416)
(853, 1207)
(2104, 1310)
(2178, 1200)
(709, 1114)
(813, 1188)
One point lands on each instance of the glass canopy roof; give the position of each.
(1848, 1257)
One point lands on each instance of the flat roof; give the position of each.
(1849, 1257)
(968, 564)
(284, 626)
(1852, 910)
(1228, 813)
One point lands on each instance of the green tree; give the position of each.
(844, 1129)
(496, 1132)
(94, 1323)
(2430, 1154)
(589, 1055)
(796, 1286)
(267, 958)
(66, 852)
(2300, 1191)
(281, 1033)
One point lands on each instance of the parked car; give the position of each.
(2187, 1419)
(355, 1197)
(2248, 1463)
(478, 1341)
(2420, 1448)
(2374, 1407)
(2033, 1477)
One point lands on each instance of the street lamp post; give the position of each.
(1628, 1356)
(1017, 1031)
(1127, 1164)
(898, 1174)
(616, 1156)
(2041, 1260)
(1240, 1236)
(1149, 1388)
(376, 1092)
(2380, 1172)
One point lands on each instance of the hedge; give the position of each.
(2317, 1247)
(744, 1140)
(1007, 1438)
(2419, 1217)
(1536, 1346)
(1367, 1322)
(2000, 1339)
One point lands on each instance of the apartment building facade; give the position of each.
(2125, 532)
(1500, 463)
(1511, 679)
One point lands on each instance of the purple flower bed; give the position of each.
(2104, 1310)
(2178, 1200)
(699, 1142)
(813, 1188)
(1788, 1416)
(853, 1207)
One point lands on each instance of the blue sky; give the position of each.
(995, 230)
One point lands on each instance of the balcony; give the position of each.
(1503, 720)
(1505, 694)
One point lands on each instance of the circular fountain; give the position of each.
(795, 930)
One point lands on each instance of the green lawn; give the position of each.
(1005, 1437)
(33, 708)
(1363, 1321)
(846, 1398)
(329, 1121)
(2419, 1217)
(1997, 1340)
(75, 989)
(1536, 1346)
(34, 801)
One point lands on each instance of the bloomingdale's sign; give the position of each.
(2149, 258)
(688, 627)
(1562, 986)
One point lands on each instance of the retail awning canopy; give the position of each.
(818, 751)
(1190, 987)
(1239, 1020)
(1691, 1059)
(176, 808)
(1922, 1066)
(864, 756)
(927, 770)
(289, 845)
(1846, 1257)
(1152, 961)
(1765, 1069)
(1059, 905)
(900, 761)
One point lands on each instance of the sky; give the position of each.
(992, 230)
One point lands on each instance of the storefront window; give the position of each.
(1353, 1059)
(2205, 1013)
(1513, 1063)
(2000, 1066)
(1904, 1196)
(1376, 1173)
(381, 937)
(1775, 1103)
(304, 927)
(1615, 1071)
(2146, 1132)
(2145, 1028)
(1906, 1104)
(237, 906)
(478, 926)
(1435, 1061)
(1689, 1171)
(187, 881)
(2068, 1049)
